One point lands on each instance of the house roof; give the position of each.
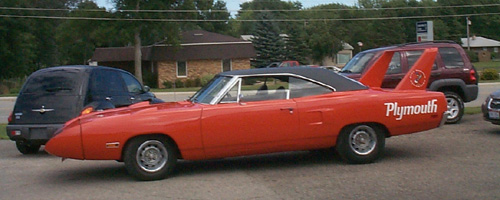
(195, 45)
(477, 41)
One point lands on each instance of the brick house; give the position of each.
(200, 53)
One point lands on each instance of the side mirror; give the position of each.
(147, 88)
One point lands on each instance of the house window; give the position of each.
(226, 65)
(181, 68)
(495, 49)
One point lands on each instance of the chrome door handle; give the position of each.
(109, 98)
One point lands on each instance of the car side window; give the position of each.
(395, 64)
(451, 57)
(413, 56)
(302, 88)
(259, 88)
(106, 82)
(133, 86)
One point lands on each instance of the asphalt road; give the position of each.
(7, 103)
(453, 162)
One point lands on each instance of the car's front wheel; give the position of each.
(455, 107)
(26, 147)
(361, 143)
(150, 158)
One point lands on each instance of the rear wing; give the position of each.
(416, 78)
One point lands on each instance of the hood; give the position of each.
(139, 108)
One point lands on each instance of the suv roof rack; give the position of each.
(426, 42)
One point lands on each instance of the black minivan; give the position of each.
(52, 96)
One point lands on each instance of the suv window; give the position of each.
(413, 56)
(451, 58)
(133, 86)
(106, 82)
(395, 65)
(358, 63)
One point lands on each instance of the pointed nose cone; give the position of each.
(67, 143)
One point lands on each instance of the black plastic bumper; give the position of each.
(38, 133)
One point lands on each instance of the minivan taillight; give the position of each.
(10, 117)
(472, 74)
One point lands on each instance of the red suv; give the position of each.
(452, 73)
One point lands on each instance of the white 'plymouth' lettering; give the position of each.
(400, 111)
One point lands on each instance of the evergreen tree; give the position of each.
(267, 41)
(296, 46)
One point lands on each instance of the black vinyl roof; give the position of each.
(327, 77)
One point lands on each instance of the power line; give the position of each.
(246, 20)
(282, 10)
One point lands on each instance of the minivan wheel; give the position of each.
(26, 148)
(455, 107)
(150, 158)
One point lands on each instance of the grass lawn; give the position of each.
(3, 132)
(480, 66)
(472, 110)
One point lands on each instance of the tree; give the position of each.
(267, 41)
(146, 31)
(213, 13)
(77, 39)
(27, 44)
(252, 10)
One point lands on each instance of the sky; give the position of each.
(234, 5)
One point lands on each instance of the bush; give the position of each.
(197, 82)
(168, 84)
(472, 56)
(189, 83)
(206, 78)
(179, 83)
(11, 86)
(489, 74)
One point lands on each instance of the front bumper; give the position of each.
(32, 132)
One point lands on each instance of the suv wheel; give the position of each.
(455, 107)
(26, 148)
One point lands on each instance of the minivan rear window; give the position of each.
(55, 81)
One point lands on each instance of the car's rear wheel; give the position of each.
(150, 158)
(361, 143)
(26, 147)
(455, 107)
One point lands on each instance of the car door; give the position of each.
(255, 116)
(134, 89)
(108, 85)
(395, 72)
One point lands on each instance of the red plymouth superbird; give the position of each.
(259, 111)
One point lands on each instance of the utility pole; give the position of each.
(468, 22)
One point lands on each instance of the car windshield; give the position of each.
(209, 92)
(357, 64)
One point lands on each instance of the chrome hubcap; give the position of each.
(152, 156)
(453, 108)
(363, 140)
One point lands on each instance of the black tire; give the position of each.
(455, 107)
(27, 148)
(361, 143)
(157, 150)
